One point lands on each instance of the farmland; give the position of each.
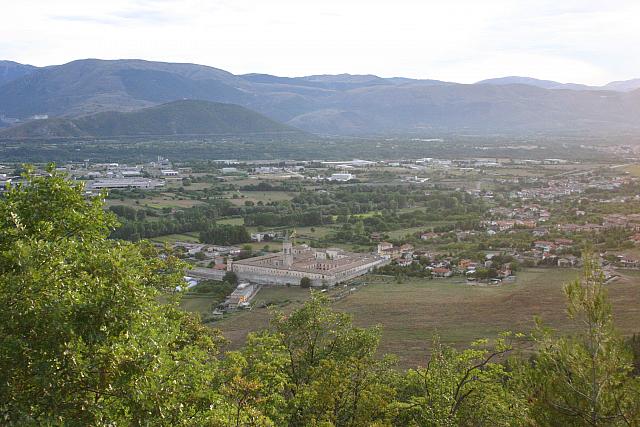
(410, 313)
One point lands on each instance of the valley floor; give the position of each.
(411, 312)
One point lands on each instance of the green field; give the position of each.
(159, 203)
(258, 246)
(412, 312)
(156, 202)
(231, 221)
(318, 232)
(197, 304)
(172, 238)
(398, 234)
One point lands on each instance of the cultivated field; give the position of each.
(412, 312)
(633, 170)
(164, 200)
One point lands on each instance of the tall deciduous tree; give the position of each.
(324, 372)
(83, 338)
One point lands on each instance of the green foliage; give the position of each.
(83, 340)
(49, 209)
(225, 234)
(333, 375)
(230, 277)
(634, 346)
(585, 379)
(305, 282)
(466, 387)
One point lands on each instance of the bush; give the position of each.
(305, 282)
(230, 277)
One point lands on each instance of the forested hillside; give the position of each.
(186, 117)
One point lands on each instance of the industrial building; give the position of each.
(124, 183)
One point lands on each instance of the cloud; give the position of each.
(104, 20)
(144, 14)
(462, 40)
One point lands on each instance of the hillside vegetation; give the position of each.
(188, 117)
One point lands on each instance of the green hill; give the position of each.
(186, 117)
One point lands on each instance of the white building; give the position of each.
(358, 163)
(343, 177)
(124, 183)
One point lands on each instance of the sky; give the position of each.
(581, 41)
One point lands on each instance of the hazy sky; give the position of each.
(582, 41)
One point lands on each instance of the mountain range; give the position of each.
(323, 104)
(618, 86)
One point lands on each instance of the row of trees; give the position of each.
(225, 234)
(85, 339)
(136, 226)
(275, 219)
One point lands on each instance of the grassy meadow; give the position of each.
(410, 313)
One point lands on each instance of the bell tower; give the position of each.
(287, 252)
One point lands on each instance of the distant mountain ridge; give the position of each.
(623, 85)
(619, 86)
(544, 84)
(341, 104)
(10, 71)
(186, 117)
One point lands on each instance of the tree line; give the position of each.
(224, 234)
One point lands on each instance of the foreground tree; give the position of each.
(314, 368)
(333, 373)
(83, 338)
(585, 379)
(461, 388)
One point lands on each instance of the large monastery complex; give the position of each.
(322, 266)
